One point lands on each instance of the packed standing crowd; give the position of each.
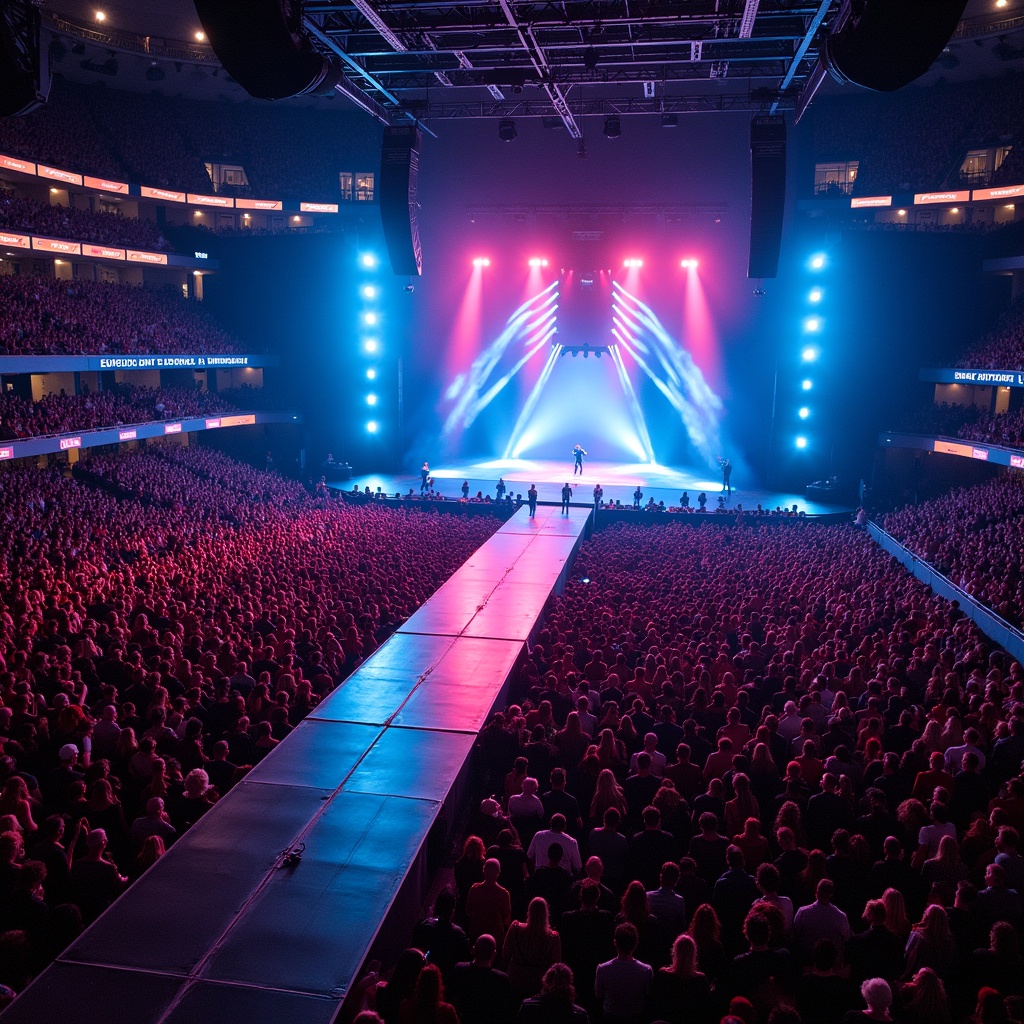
(165, 620)
(46, 316)
(758, 773)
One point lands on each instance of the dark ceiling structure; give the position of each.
(431, 60)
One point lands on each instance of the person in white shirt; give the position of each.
(658, 759)
(541, 842)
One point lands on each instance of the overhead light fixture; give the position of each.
(669, 120)
(200, 37)
(507, 129)
(633, 262)
(612, 127)
(101, 16)
(481, 261)
(538, 261)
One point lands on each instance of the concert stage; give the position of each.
(619, 481)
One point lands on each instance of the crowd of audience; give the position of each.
(912, 140)
(973, 536)
(21, 213)
(760, 774)
(165, 141)
(165, 620)
(47, 316)
(59, 413)
(1003, 347)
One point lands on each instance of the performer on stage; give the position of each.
(531, 496)
(577, 454)
(566, 495)
(500, 489)
(638, 496)
(465, 490)
(598, 495)
(726, 475)
(424, 476)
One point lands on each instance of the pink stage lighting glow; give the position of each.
(481, 261)
(538, 261)
(632, 261)
(689, 264)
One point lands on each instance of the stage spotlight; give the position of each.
(809, 354)
(817, 262)
(507, 129)
(804, 412)
(481, 261)
(815, 295)
(368, 260)
(806, 384)
(370, 318)
(689, 264)
(371, 399)
(371, 345)
(812, 324)
(612, 127)
(372, 427)
(371, 374)
(801, 441)
(369, 292)
(632, 261)
(538, 261)
(901, 213)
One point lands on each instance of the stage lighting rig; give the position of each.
(586, 349)
(507, 129)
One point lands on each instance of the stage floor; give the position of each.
(619, 480)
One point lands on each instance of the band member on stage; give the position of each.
(531, 496)
(638, 496)
(684, 501)
(702, 500)
(500, 489)
(577, 454)
(424, 476)
(598, 495)
(566, 495)
(465, 488)
(726, 475)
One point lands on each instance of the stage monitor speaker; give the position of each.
(24, 64)
(399, 171)
(767, 193)
(890, 43)
(263, 47)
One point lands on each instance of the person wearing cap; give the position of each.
(95, 878)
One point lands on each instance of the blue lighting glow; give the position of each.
(801, 442)
(371, 399)
(812, 324)
(372, 427)
(804, 412)
(371, 345)
(370, 319)
(809, 354)
(817, 261)
(368, 260)
(815, 295)
(806, 384)
(369, 291)
(371, 374)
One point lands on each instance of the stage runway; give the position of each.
(619, 480)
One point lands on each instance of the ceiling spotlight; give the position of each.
(371, 345)
(369, 292)
(632, 262)
(815, 295)
(817, 262)
(612, 127)
(801, 442)
(101, 16)
(368, 260)
(200, 37)
(507, 129)
(371, 374)
(538, 261)
(371, 427)
(481, 261)
(689, 264)
(669, 120)
(370, 318)
(812, 324)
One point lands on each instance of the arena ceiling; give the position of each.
(432, 60)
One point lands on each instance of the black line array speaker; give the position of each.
(889, 43)
(263, 47)
(767, 193)
(399, 172)
(24, 64)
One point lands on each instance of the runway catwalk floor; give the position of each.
(619, 480)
